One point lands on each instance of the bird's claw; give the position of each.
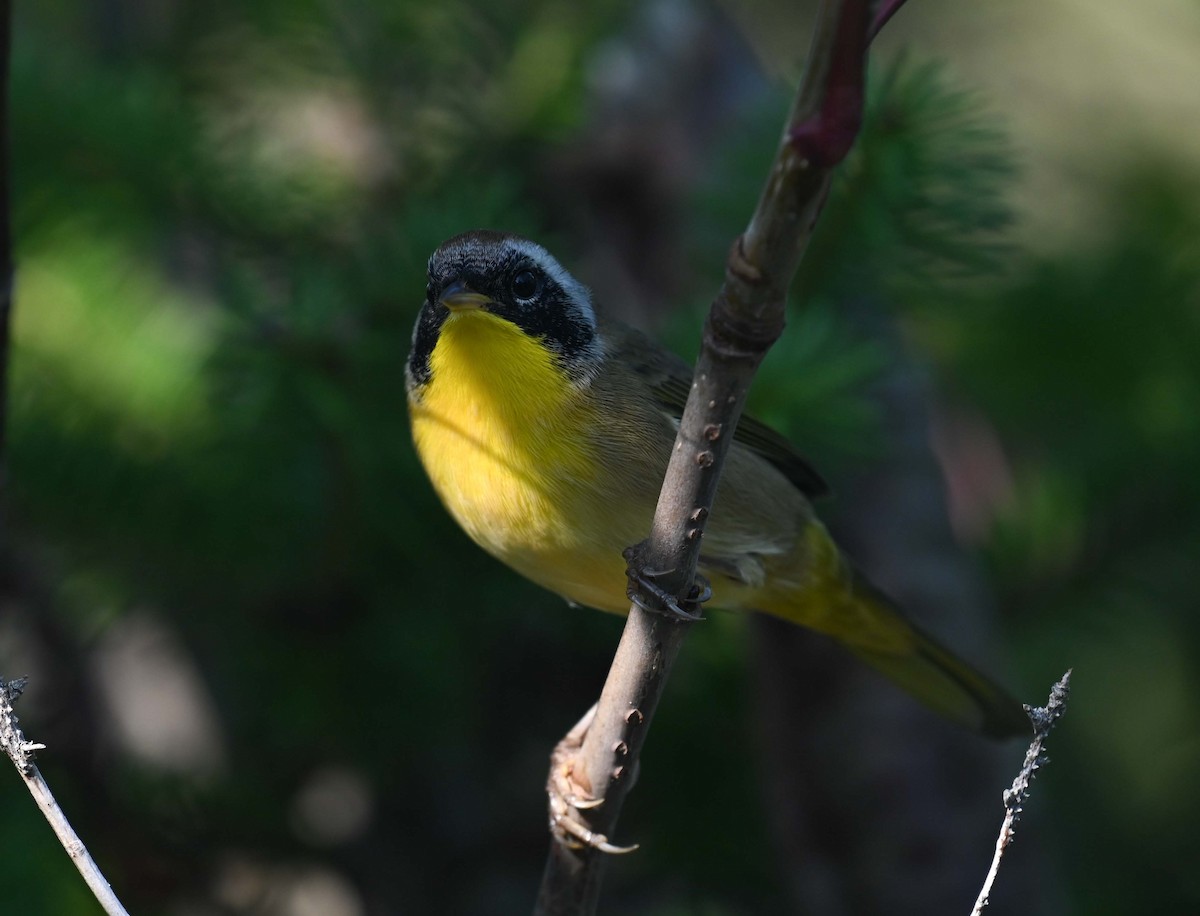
(581, 803)
(641, 583)
(567, 796)
(570, 832)
(665, 604)
(686, 610)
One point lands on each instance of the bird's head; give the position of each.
(512, 279)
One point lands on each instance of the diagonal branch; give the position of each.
(12, 740)
(20, 751)
(746, 318)
(1044, 718)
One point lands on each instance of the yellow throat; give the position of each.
(498, 430)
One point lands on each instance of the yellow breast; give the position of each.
(501, 431)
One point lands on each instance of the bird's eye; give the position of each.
(525, 284)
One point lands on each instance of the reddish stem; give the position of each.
(825, 138)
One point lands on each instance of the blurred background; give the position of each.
(275, 679)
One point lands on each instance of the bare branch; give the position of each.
(746, 318)
(1044, 718)
(20, 751)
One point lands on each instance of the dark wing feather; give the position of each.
(670, 380)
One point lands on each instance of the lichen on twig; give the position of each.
(1043, 719)
(12, 739)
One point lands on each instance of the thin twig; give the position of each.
(1044, 718)
(746, 318)
(12, 740)
(20, 751)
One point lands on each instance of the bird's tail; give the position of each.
(949, 686)
(846, 606)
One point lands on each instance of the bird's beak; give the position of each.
(459, 297)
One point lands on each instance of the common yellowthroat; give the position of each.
(546, 429)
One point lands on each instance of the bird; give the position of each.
(545, 428)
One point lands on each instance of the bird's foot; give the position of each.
(568, 796)
(641, 579)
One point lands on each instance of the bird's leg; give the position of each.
(686, 610)
(568, 795)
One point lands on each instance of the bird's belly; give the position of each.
(532, 501)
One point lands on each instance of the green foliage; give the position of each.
(915, 215)
(1086, 362)
(223, 214)
(222, 248)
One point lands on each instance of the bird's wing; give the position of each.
(670, 381)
